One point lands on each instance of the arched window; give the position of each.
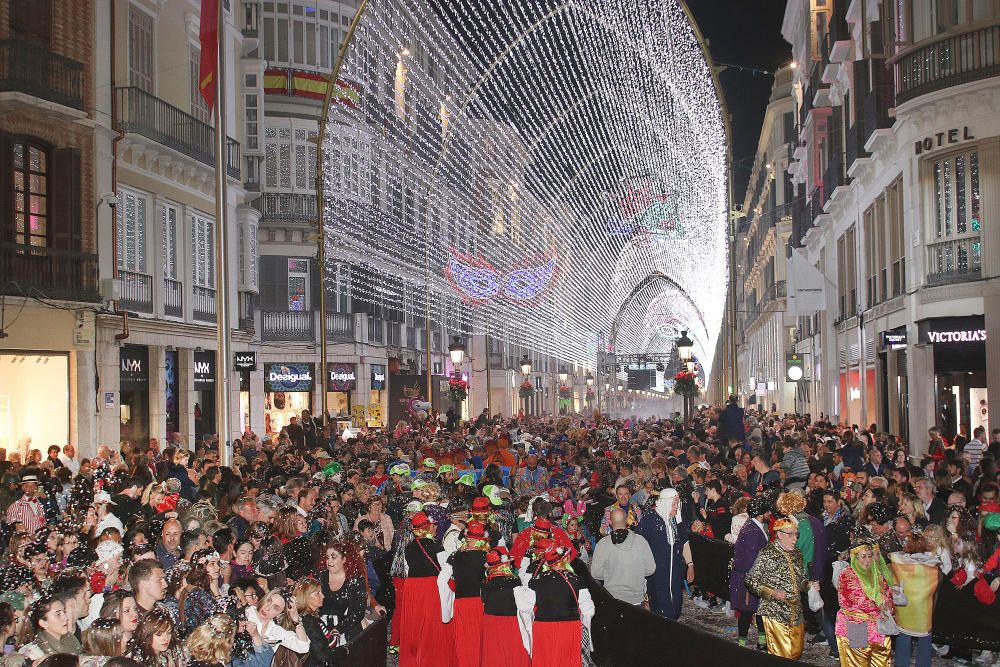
(30, 167)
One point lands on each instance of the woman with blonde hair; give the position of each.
(211, 643)
(105, 637)
(324, 638)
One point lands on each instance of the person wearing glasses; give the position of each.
(778, 577)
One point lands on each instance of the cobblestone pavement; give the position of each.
(719, 624)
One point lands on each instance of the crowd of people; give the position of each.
(475, 541)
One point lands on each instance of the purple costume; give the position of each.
(748, 545)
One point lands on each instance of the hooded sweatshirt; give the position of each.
(623, 567)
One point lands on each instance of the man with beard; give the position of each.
(667, 537)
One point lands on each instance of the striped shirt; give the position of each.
(27, 511)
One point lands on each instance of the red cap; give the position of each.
(497, 556)
(475, 529)
(543, 545)
(554, 554)
(420, 520)
(480, 504)
(543, 525)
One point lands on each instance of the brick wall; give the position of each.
(71, 35)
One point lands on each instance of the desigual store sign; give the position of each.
(288, 377)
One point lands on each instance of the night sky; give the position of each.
(744, 33)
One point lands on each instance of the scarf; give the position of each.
(618, 536)
(871, 578)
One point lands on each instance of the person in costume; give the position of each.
(752, 538)
(865, 593)
(501, 644)
(558, 606)
(424, 639)
(467, 565)
(918, 570)
(778, 577)
(667, 536)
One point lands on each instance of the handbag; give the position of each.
(899, 596)
(815, 600)
(886, 624)
(857, 634)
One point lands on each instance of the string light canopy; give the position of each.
(544, 172)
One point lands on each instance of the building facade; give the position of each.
(762, 241)
(49, 285)
(897, 165)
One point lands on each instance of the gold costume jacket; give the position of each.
(779, 570)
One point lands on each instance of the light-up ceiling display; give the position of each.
(549, 172)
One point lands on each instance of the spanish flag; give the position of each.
(346, 93)
(208, 35)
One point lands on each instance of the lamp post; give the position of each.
(684, 348)
(525, 364)
(590, 383)
(457, 352)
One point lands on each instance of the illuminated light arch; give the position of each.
(491, 128)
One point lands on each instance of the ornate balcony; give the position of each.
(58, 274)
(28, 68)
(948, 60)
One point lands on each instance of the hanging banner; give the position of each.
(375, 415)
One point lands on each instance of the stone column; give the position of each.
(157, 396)
(185, 390)
(920, 362)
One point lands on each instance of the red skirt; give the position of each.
(424, 641)
(502, 646)
(397, 613)
(468, 624)
(556, 643)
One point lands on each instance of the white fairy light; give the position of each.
(549, 170)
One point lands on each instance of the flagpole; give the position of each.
(222, 328)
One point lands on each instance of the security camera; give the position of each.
(111, 199)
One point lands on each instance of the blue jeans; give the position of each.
(904, 648)
(829, 620)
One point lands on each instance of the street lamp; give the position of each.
(590, 380)
(563, 375)
(456, 351)
(691, 366)
(525, 365)
(684, 346)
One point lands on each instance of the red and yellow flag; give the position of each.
(208, 65)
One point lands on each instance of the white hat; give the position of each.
(103, 497)
(107, 550)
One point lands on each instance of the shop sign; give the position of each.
(894, 340)
(288, 377)
(794, 367)
(341, 377)
(939, 139)
(244, 361)
(204, 369)
(378, 377)
(960, 336)
(134, 366)
(952, 330)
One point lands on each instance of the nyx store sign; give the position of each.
(204, 370)
(245, 361)
(134, 367)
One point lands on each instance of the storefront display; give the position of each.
(341, 381)
(133, 399)
(171, 390)
(244, 363)
(204, 393)
(959, 345)
(287, 392)
(378, 385)
(34, 400)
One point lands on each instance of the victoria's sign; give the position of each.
(288, 377)
(963, 336)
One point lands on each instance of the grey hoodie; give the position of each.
(623, 568)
